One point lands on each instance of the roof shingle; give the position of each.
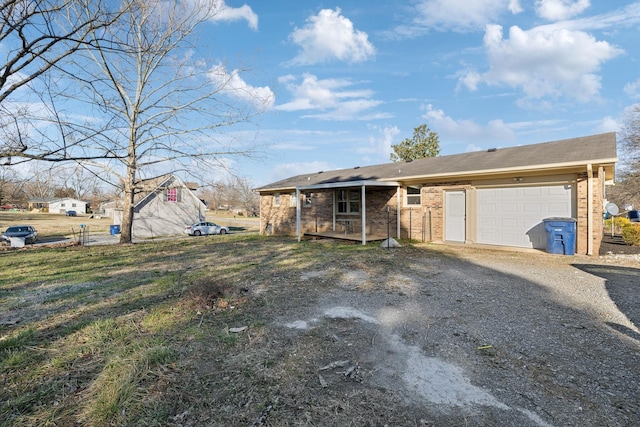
(594, 149)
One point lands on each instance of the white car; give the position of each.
(205, 227)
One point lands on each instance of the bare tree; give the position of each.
(627, 189)
(630, 139)
(37, 35)
(81, 179)
(11, 187)
(158, 105)
(244, 196)
(215, 195)
(41, 183)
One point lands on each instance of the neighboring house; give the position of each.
(112, 209)
(164, 206)
(59, 206)
(67, 204)
(38, 204)
(494, 197)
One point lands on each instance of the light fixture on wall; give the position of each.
(518, 179)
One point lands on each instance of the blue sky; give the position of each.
(345, 80)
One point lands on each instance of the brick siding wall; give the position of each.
(421, 223)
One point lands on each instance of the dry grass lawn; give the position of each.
(53, 225)
(244, 330)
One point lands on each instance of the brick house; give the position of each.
(493, 197)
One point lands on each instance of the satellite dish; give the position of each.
(612, 209)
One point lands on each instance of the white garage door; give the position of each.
(513, 216)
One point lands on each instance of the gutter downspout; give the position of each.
(298, 233)
(589, 209)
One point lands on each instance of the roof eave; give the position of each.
(387, 182)
(502, 171)
(394, 181)
(346, 184)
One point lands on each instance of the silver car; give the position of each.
(205, 227)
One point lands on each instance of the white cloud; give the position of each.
(633, 89)
(607, 124)
(515, 7)
(557, 10)
(299, 140)
(286, 170)
(333, 97)
(233, 85)
(626, 17)
(379, 146)
(466, 130)
(462, 15)
(329, 36)
(543, 62)
(222, 12)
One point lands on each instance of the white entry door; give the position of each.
(455, 216)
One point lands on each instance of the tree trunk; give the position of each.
(127, 214)
(127, 217)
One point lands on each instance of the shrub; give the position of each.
(619, 223)
(631, 234)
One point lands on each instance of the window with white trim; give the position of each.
(172, 195)
(348, 201)
(276, 199)
(413, 195)
(293, 202)
(307, 199)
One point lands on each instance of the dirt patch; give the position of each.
(615, 245)
(446, 337)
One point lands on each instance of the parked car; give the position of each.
(28, 232)
(205, 227)
(634, 216)
(72, 213)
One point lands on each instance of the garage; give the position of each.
(512, 216)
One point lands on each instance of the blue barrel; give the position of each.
(114, 229)
(561, 235)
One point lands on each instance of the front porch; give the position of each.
(341, 235)
(357, 211)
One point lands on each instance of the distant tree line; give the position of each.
(626, 190)
(60, 181)
(233, 194)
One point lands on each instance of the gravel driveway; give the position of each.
(474, 337)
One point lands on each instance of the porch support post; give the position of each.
(335, 208)
(364, 215)
(298, 233)
(398, 212)
(590, 209)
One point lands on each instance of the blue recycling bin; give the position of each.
(561, 235)
(114, 229)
